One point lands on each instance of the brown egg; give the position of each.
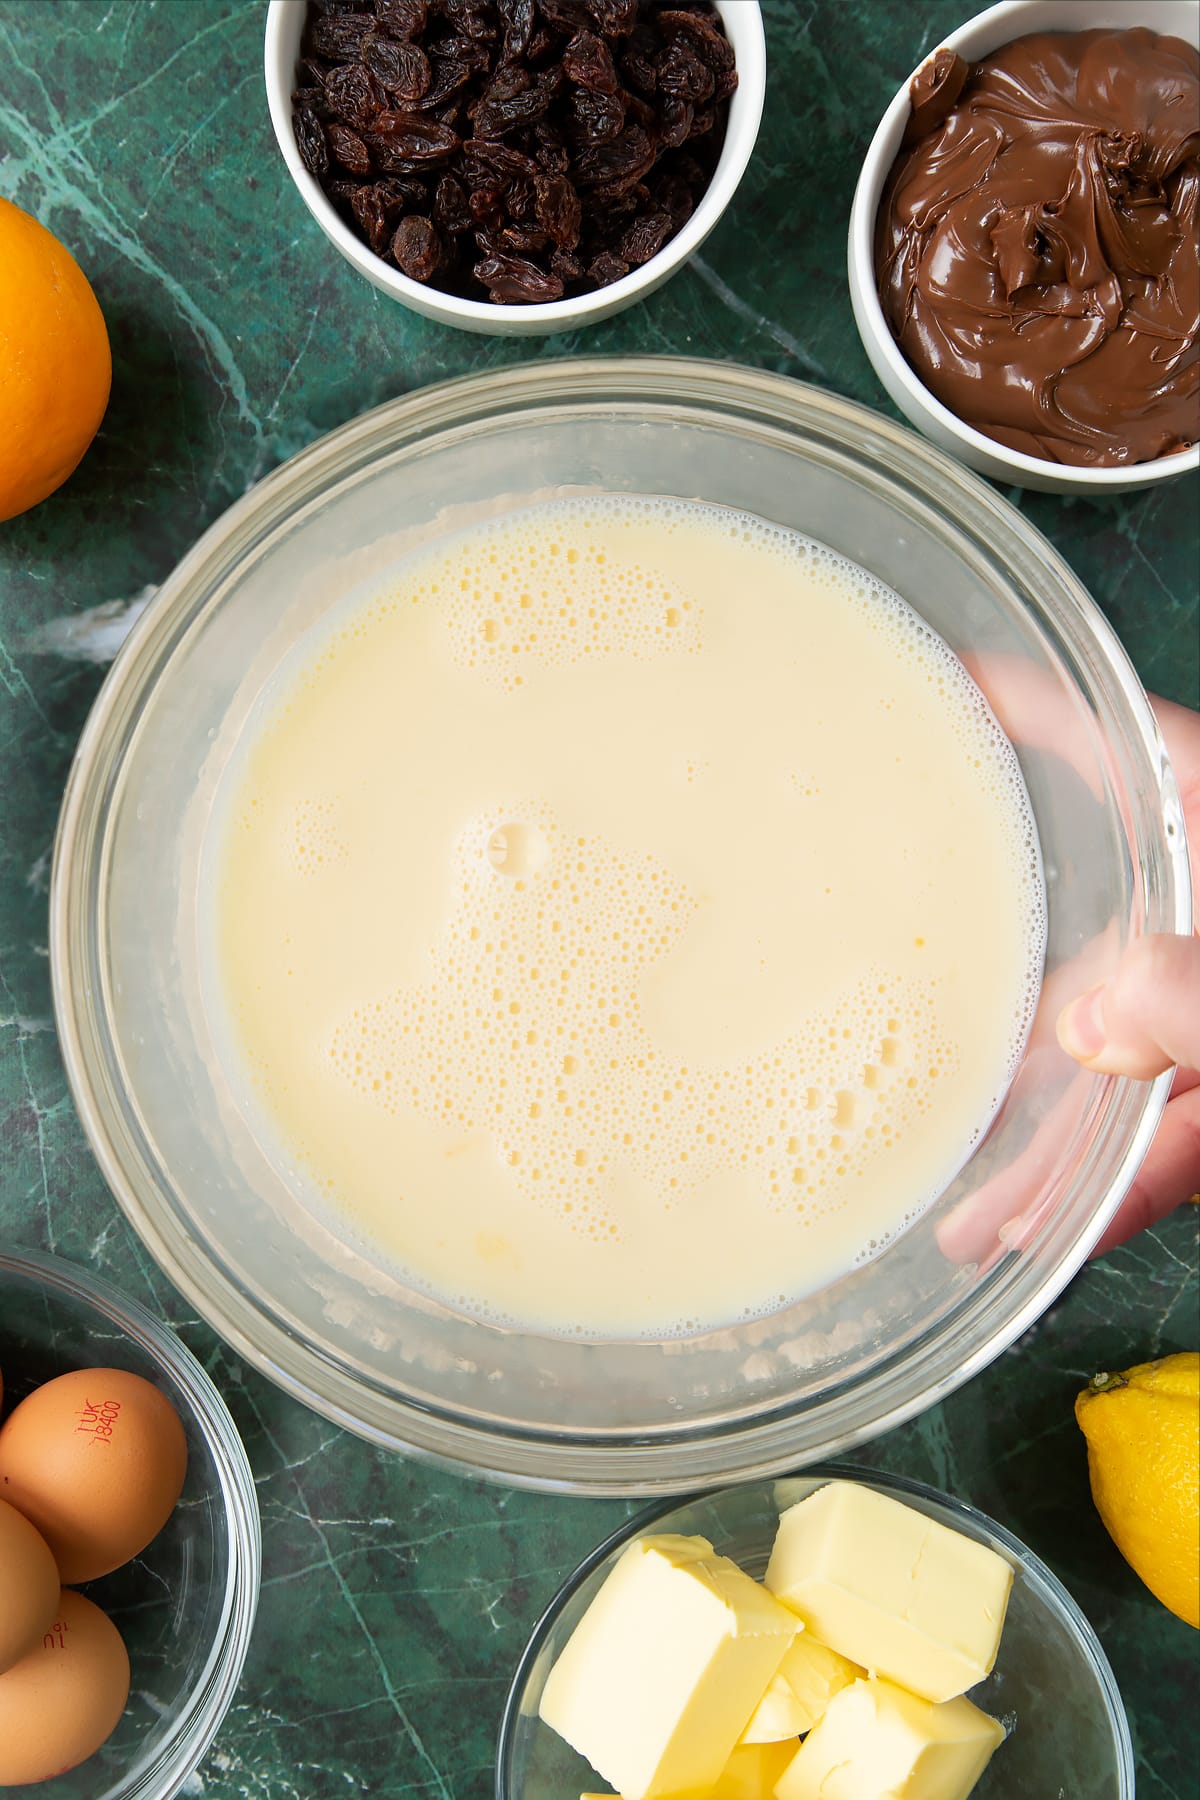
(29, 1586)
(96, 1460)
(59, 1703)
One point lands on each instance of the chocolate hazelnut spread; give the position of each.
(1036, 244)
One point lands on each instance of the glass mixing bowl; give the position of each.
(1051, 1686)
(185, 1607)
(227, 1218)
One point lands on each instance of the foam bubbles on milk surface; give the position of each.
(596, 912)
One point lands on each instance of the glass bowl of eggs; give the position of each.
(1015, 1697)
(115, 1442)
(542, 863)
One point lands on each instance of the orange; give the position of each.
(55, 363)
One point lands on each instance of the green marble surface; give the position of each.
(396, 1599)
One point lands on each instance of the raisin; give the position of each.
(348, 149)
(486, 206)
(559, 210)
(468, 50)
(702, 34)
(607, 225)
(542, 45)
(402, 19)
(646, 237)
(402, 193)
(639, 74)
(449, 76)
(680, 72)
(675, 197)
(641, 112)
(509, 80)
(726, 84)
(515, 278)
(566, 15)
(675, 120)
(403, 69)
(615, 18)
(496, 118)
(566, 266)
(522, 202)
(617, 165)
(417, 248)
(606, 268)
(310, 141)
(552, 155)
(342, 194)
(521, 240)
(471, 18)
(587, 61)
(353, 95)
(450, 210)
(339, 36)
(404, 141)
(502, 157)
(375, 220)
(516, 16)
(596, 118)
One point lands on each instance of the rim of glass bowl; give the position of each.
(845, 435)
(1033, 1570)
(200, 1720)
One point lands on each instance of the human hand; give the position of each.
(1148, 1007)
(1146, 1017)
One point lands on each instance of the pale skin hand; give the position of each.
(1143, 1018)
(1146, 1017)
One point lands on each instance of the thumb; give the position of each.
(1145, 1017)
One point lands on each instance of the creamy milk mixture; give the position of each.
(628, 919)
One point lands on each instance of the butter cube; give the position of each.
(896, 1592)
(658, 1679)
(778, 1715)
(877, 1742)
(809, 1676)
(750, 1773)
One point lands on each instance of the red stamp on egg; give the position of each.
(97, 1419)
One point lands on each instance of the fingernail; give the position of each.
(1081, 1025)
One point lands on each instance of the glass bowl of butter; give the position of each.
(834, 1633)
(559, 912)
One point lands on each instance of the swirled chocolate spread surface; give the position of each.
(1036, 244)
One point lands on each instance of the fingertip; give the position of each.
(1114, 1028)
(1080, 1025)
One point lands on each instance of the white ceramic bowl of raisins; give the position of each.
(518, 167)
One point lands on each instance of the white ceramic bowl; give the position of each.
(743, 27)
(986, 32)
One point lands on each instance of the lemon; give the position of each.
(1143, 1436)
